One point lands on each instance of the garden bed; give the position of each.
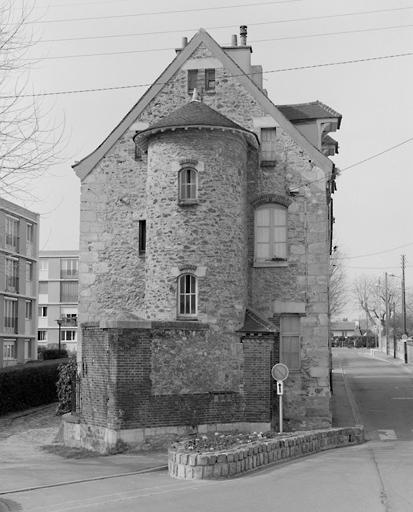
(224, 455)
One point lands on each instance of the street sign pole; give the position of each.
(279, 373)
(280, 408)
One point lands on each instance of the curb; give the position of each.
(152, 469)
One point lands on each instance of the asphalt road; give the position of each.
(373, 477)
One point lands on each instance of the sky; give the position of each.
(136, 41)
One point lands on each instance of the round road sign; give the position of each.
(279, 372)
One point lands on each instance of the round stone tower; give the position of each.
(196, 221)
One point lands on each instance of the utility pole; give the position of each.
(386, 323)
(404, 294)
(394, 332)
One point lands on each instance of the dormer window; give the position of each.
(192, 80)
(210, 79)
(268, 145)
(188, 185)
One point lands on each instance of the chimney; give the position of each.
(243, 35)
(184, 42)
(234, 41)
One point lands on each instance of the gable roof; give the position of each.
(87, 164)
(309, 111)
(194, 114)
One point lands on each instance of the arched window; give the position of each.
(270, 233)
(188, 184)
(187, 295)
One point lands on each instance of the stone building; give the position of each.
(19, 246)
(205, 237)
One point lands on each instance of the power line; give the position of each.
(378, 154)
(138, 34)
(119, 87)
(375, 253)
(309, 18)
(157, 13)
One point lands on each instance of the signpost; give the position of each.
(279, 373)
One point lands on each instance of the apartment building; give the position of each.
(58, 299)
(19, 231)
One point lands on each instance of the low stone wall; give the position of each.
(240, 459)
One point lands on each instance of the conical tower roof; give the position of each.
(194, 114)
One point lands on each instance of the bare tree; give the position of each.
(370, 294)
(27, 145)
(337, 289)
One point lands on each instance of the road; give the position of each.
(373, 477)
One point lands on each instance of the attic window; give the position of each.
(210, 79)
(192, 80)
(268, 138)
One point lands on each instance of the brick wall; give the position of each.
(125, 385)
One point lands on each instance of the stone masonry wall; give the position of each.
(211, 234)
(112, 274)
(233, 462)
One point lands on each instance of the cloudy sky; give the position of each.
(94, 44)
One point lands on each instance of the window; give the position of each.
(43, 265)
(192, 80)
(142, 237)
(290, 341)
(10, 315)
(12, 275)
(187, 295)
(69, 291)
(69, 268)
(29, 233)
(268, 144)
(27, 350)
(188, 184)
(9, 349)
(270, 233)
(41, 335)
(12, 233)
(68, 336)
(28, 310)
(43, 311)
(210, 79)
(29, 272)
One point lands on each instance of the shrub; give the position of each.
(22, 387)
(54, 353)
(66, 385)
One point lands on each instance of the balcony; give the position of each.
(12, 284)
(10, 325)
(69, 274)
(68, 322)
(12, 242)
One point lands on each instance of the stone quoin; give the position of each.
(206, 219)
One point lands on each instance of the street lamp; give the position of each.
(59, 323)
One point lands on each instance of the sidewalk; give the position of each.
(24, 463)
(378, 354)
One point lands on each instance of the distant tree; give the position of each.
(370, 294)
(27, 146)
(337, 286)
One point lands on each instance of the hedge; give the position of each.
(29, 385)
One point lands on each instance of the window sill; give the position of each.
(270, 264)
(187, 318)
(188, 202)
(268, 163)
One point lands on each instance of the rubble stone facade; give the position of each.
(144, 367)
